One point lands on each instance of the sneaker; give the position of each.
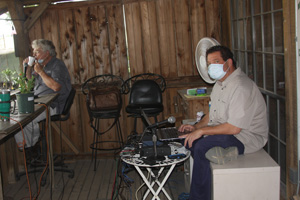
(220, 156)
(184, 196)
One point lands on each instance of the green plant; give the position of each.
(8, 73)
(25, 85)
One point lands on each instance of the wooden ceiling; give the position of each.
(5, 4)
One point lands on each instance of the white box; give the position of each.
(253, 176)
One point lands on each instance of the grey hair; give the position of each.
(46, 45)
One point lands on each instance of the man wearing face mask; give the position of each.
(236, 123)
(51, 76)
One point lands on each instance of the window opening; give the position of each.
(257, 43)
(9, 63)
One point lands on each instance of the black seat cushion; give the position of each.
(109, 114)
(148, 109)
(55, 117)
(146, 95)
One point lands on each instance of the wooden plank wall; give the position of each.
(90, 39)
(162, 35)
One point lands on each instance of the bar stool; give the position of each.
(103, 101)
(145, 94)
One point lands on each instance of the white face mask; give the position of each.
(40, 61)
(216, 72)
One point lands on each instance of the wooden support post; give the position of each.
(16, 11)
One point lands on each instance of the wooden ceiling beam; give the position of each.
(3, 7)
(38, 11)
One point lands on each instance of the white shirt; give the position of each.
(238, 101)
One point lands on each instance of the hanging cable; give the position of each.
(23, 148)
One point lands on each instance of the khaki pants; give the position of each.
(32, 131)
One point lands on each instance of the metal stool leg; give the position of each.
(134, 125)
(119, 134)
(96, 144)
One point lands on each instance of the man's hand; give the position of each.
(38, 68)
(186, 128)
(191, 137)
(26, 60)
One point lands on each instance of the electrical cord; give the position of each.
(119, 180)
(25, 163)
(113, 188)
(148, 177)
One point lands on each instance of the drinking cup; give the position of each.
(31, 60)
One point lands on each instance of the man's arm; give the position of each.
(203, 122)
(28, 72)
(48, 80)
(222, 129)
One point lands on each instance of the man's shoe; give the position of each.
(184, 196)
(219, 155)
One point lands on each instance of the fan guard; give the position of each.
(200, 57)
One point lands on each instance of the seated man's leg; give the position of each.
(31, 131)
(201, 178)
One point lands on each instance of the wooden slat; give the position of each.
(198, 26)
(84, 120)
(50, 29)
(100, 40)
(291, 89)
(183, 38)
(97, 180)
(68, 44)
(105, 189)
(74, 125)
(133, 26)
(84, 43)
(65, 138)
(80, 181)
(150, 37)
(117, 40)
(35, 32)
(225, 38)
(212, 19)
(166, 34)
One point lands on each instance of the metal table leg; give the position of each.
(156, 180)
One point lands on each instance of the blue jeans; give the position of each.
(201, 178)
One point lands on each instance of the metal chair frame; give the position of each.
(160, 80)
(103, 81)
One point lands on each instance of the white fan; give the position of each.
(200, 56)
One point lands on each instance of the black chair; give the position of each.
(105, 82)
(145, 94)
(39, 166)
